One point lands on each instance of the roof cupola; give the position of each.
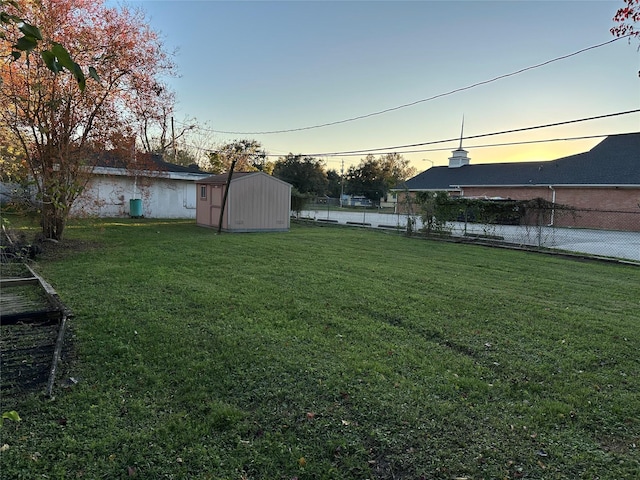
(459, 156)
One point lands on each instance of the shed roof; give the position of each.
(221, 179)
(614, 161)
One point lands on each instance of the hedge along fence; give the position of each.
(299, 200)
(436, 209)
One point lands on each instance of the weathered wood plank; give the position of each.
(16, 282)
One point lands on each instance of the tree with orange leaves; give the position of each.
(57, 122)
(625, 17)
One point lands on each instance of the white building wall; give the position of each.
(109, 196)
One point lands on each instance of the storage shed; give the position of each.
(256, 202)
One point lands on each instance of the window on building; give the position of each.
(203, 192)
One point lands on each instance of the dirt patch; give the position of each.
(66, 248)
(618, 445)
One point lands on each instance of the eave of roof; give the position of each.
(547, 185)
(124, 172)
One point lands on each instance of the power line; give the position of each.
(505, 144)
(411, 104)
(491, 145)
(449, 140)
(395, 148)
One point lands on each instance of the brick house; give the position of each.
(602, 185)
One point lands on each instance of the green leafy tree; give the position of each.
(306, 174)
(373, 177)
(267, 167)
(215, 163)
(366, 179)
(248, 155)
(395, 170)
(334, 186)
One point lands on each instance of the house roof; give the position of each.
(151, 162)
(146, 165)
(614, 161)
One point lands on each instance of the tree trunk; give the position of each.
(53, 221)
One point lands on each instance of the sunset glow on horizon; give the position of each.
(270, 66)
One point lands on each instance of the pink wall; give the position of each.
(208, 206)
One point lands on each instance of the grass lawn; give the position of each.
(331, 353)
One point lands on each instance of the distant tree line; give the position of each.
(372, 178)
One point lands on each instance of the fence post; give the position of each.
(540, 217)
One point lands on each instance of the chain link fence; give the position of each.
(606, 233)
(595, 232)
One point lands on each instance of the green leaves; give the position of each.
(29, 40)
(50, 61)
(57, 59)
(26, 44)
(30, 31)
(12, 415)
(63, 56)
(94, 74)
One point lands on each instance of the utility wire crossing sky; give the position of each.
(411, 104)
(333, 77)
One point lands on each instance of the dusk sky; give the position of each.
(267, 66)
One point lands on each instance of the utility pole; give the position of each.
(341, 182)
(226, 193)
(173, 142)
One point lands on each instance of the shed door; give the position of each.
(216, 205)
